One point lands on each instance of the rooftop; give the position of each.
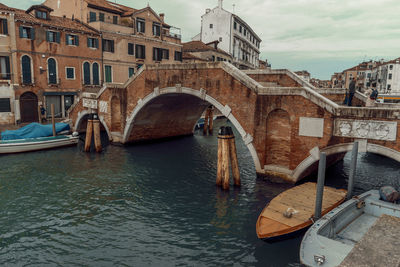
(199, 46)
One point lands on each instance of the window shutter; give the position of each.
(154, 53)
(88, 42)
(66, 38)
(77, 40)
(32, 33)
(8, 68)
(47, 36)
(103, 42)
(112, 46)
(21, 32)
(5, 29)
(58, 37)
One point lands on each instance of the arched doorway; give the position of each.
(277, 143)
(28, 107)
(115, 114)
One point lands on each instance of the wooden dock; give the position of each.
(293, 210)
(380, 246)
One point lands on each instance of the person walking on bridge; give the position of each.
(352, 90)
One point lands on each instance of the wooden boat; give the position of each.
(292, 210)
(350, 234)
(39, 143)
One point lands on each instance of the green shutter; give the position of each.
(58, 37)
(66, 39)
(88, 42)
(77, 40)
(112, 46)
(96, 41)
(21, 32)
(32, 34)
(8, 68)
(5, 28)
(47, 36)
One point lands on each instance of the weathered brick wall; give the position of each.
(282, 80)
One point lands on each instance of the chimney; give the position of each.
(220, 3)
(162, 15)
(208, 10)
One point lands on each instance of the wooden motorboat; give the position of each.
(350, 234)
(293, 210)
(39, 143)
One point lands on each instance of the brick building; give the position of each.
(206, 52)
(131, 37)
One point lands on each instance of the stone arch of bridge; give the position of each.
(344, 148)
(83, 115)
(202, 95)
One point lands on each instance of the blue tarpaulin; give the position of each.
(33, 130)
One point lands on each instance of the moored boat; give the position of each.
(293, 210)
(330, 240)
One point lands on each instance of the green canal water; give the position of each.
(146, 205)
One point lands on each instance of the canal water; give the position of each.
(147, 205)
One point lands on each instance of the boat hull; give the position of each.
(39, 144)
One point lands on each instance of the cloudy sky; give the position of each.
(321, 36)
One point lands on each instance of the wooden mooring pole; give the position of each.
(89, 132)
(320, 186)
(96, 130)
(210, 120)
(53, 120)
(226, 155)
(205, 127)
(353, 168)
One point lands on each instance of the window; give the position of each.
(72, 39)
(5, 68)
(27, 32)
(5, 105)
(157, 54)
(244, 32)
(140, 25)
(213, 58)
(86, 73)
(92, 16)
(101, 16)
(211, 26)
(53, 37)
(115, 19)
(165, 54)
(390, 76)
(388, 87)
(130, 49)
(70, 73)
(108, 73)
(156, 29)
(178, 56)
(41, 14)
(108, 45)
(93, 42)
(52, 70)
(131, 72)
(390, 67)
(95, 73)
(26, 70)
(3, 26)
(140, 51)
(235, 25)
(240, 28)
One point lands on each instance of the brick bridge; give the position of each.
(284, 121)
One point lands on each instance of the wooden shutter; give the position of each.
(95, 73)
(96, 41)
(76, 40)
(47, 36)
(103, 44)
(88, 42)
(112, 46)
(58, 37)
(5, 28)
(67, 36)
(86, 73)
(21, 32)
(8, 68)
(32, 34)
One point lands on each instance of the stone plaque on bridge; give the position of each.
(89, 103)
(103, 106)
(311, 127)
(377, 130)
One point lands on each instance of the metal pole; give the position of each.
(320, 185)
(353, 168)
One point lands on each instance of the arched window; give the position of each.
(26, 70)
(86, 73)
(95, 73)
(52, 70)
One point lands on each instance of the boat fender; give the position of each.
(360, 204)
(289, 212)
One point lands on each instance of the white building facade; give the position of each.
(234, 35)
(386, 77)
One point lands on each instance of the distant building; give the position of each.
(206, 52)
(234, 35)
(305, 75)
(130, 37)
(386, 77)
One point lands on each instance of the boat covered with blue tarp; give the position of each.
(34, 130)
